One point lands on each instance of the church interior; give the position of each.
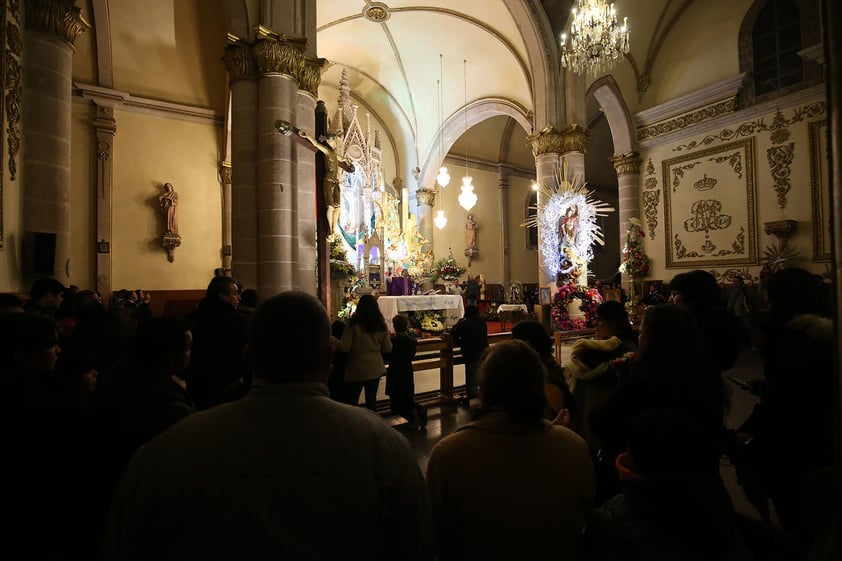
(334, 146)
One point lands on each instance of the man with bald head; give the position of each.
(285, 471)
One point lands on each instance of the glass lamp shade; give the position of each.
(467, 198)
(443, 177)
(440, 220)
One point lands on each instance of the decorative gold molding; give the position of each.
(59, 17)
(311, 75)
(280, 54)
(240, 62)
(651, 200)
(687, 119)
(758, 125)
(13, 85)
(650, 168)
(627, 164)
(780, 159)
(550, 140)
(820, 191)
(426, 196)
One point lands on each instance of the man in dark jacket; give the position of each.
(471, 335)
(284, 471)
(217, 371)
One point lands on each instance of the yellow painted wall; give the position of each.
(83, 195)
(523, 262)
(148, 152)
(699, 51)
(170, 49)
(84, 59)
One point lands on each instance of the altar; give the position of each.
(452, 306)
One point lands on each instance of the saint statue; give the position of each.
(568, 225)
(472, 227)
(169, 209)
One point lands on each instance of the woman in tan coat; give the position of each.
(365, 341)
(510, 485)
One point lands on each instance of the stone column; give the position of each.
(242, 71)
(546, 146)
(279, 60)
(628, 184)
(51, 29)
(105, 127)
(426, 199)
(305, 201)
(225, 183)
(503, 199)
(574, 142)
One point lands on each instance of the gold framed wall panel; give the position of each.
(709, 207)
(2, 114)
(820, 191)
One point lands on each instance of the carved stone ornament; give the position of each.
(650, 167)
(170, 242)
(311, 74)
(240, 62)
(627, 164)
(59, 17)
(426, 196)
(279, 54)
(225, 173)
(550, 140)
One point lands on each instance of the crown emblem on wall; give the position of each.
(705, 183)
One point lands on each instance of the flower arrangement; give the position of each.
(635, 262)
(566, 293)
(430, 321)
(340, 267)
(447, 269)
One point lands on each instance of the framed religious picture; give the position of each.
(374, 277)
(545, 296)
(612, 294)
(709, 207)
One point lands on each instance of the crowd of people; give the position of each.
(235, 432)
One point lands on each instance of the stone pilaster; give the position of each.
(225, 178)
(52, 27)
(106, 128)
(305, 198)
(503, 200)
(242, 71)
(628, 184)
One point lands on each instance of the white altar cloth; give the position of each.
(452, 306)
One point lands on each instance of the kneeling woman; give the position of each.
(365, 341)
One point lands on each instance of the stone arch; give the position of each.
(454, 127)
(610, 98)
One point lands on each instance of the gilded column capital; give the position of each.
(59, 17)
(551, 140)
(280, 54)
(240, 61)
(627, 164)
(310, 75)
(426, 196)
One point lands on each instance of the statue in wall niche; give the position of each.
(169, 209)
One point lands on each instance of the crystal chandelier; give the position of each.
(467, 198)
(440, 220)
(596, 41)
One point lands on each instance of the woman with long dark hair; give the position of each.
(365, 341)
